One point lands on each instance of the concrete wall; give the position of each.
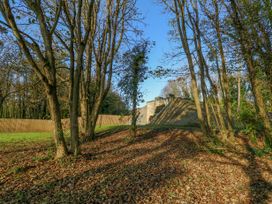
(151, 107)
(30, 125)
(179, 112)
(149, 110)
(142, 116)
(25, 125)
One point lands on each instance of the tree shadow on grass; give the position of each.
(134, 171)
(134, 177)
(259, 188)
(144, 134)
(110, 131)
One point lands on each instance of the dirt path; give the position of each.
(157, 167)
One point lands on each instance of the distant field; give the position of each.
(29, 137)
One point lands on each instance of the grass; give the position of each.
(260, 152)
(25, 137)
(40, 137)
(18, 169)
(100, 129)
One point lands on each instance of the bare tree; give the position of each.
(107, 35)
(177, 87)
(178, 8)
(77, 18)
(214, 18)
(39, 53)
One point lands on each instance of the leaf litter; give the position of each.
(170, 166)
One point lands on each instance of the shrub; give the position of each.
(249, 123)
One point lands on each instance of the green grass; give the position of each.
(40, 137)
(25, 137)
(106, 128)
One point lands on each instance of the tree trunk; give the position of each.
(74, 118)
(133, 132)
(91, 126)
(180, 17)
(61, 148)
(2, 99)
(255, 82)
(92, 119)
(198, 47)
(207, 112)
(84, 107)
(239, 92)
(84, 98)
(198, 105)
(224, 81)
(75, 77)
(216, 98)
(259, 101)
(216, 118)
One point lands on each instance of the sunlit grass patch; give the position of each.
(22, 138)
(25, 137)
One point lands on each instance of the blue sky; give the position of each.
(156, 29)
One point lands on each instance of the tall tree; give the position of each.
(178, 8)
(114, 104)
(134, 73)
(246, 44)
(108, 30)
(39, 53)
(77, 16)
(214, 18)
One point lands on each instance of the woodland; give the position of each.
(81, 58)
